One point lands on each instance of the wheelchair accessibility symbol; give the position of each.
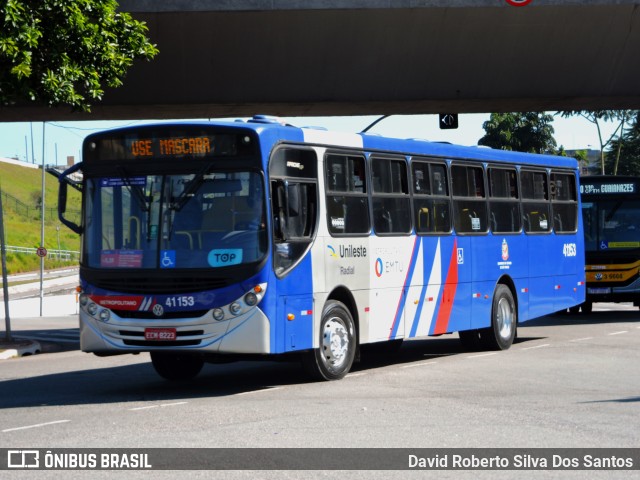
(168, 259)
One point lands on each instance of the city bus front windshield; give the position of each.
(206, 220)
(611, 225)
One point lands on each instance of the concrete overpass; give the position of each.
(331, 57)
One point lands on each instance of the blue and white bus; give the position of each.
(210, 241)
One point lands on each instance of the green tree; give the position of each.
(519, 131)
(57, 52)
(598, 117)
(625, 148)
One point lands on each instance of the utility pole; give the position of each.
(5, 280)
(42, 214)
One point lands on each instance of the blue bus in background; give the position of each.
(211, 241)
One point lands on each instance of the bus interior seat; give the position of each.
(423, 213)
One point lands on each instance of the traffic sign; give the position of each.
(448, 121)
(41, 252)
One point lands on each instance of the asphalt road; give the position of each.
(569, 381)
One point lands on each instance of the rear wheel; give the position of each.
(504, 320)
(333, 360)
(176, 366)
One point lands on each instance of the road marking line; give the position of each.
(270, 389)
(581, 339)
(423, 364)
(35, 426)
(173, 404)
(537, 346)
(618, 333)
(483, 355)
(162, 405)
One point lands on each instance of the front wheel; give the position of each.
(504, 321)
(333, 359)
(176, 366)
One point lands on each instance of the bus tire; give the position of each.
(333, 360)
(504, 321)
(176, 366)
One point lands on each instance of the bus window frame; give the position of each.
(287, 180)
(573, 202)
(389, 195)
(430, 161)
(524, 200)
(517, 200)
(457, 198)
(328, 193)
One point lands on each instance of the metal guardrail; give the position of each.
(59, 254)
(33, 211)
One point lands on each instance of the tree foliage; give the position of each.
(598, 117)
(624, 152)
(58, 52)
(519, 131)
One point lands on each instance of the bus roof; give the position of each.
(273, 130)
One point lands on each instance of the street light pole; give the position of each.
(42, 214)
(5, 280)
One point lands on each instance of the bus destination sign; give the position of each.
(602, 188)
(159, 143)
(170, 146)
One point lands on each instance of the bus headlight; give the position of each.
(235, 308)
(251, 299)
(240, 306)
(84, 299)
(92, 309)
(105, 315)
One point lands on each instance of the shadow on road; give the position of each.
(593, 318)
(139, 382)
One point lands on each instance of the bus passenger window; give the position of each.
(535, 201)
(391, 202)
(347, 200)
(504, 207)
(469, 202)
(564, 202)
(430, 197)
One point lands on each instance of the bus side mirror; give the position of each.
(62, 198)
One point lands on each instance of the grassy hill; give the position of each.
(22, 222)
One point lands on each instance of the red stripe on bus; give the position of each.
(450, 286)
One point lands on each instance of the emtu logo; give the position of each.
(519, 3)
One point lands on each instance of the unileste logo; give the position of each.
(348, 251)
(519, 3)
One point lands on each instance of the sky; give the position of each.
(63, 139)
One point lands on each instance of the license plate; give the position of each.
(599, 291)
(160, 334)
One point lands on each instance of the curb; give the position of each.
(19, 348)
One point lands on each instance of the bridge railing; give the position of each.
(58, 254)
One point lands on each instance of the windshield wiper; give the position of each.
(134, 190)
(193, 187)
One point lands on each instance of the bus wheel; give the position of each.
(176, 366)
(504, 321)
(587, 307)
(334, 358)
